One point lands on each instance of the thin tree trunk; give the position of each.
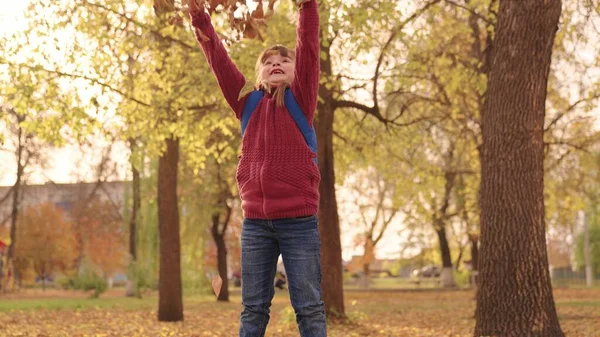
(439, 224)
(515, 296)
(459, 258)
(447, 276)
(16, 190)
(219, 237)
(170, 304)
(366, 277)
(135, 211)
(329, 224)
(474, 260)
(15, 198)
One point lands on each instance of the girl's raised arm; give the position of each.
(306, 78)
(230, 79)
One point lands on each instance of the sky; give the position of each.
(65, 164)
(10, 14)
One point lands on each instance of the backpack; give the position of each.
(292, 106)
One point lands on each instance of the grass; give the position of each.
(580, 303)
(77, 303)
(394, 283)
(382, 313)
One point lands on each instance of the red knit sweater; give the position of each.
(277, 177)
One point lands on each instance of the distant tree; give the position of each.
(45, 240)
(102, 234)
(26, 147)
(594, 231)
(375, 195)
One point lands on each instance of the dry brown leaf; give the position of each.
(217, 282)
(259, 13)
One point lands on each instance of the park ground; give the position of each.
(384, 313)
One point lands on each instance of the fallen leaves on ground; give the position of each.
(381, 314)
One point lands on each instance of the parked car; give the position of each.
(428, 271)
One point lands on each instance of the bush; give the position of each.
(461, 278)
(142, 277)
(65, 282)
(86, 280)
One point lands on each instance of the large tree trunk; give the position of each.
(329, 223)
(515, 295)
(170, 305)
(219, 237)
(135, 210)
(447, 276)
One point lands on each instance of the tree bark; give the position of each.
(219, 237)
(170, 304)
(515, 294)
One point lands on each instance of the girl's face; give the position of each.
(277, 69)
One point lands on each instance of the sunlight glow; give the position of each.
(11, 15)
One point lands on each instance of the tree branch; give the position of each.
(368, 110)
(579, 147)
(90, 79)
(569, 109)
(143, 26)
(479, 16)
(387, 44)
(374, 110)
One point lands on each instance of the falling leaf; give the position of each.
(217, 282)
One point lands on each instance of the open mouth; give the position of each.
(277, 71)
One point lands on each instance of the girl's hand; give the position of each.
(196, 5)
(299, 3)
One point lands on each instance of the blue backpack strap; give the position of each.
(299, 117)
(253, 99)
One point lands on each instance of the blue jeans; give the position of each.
(298, 242)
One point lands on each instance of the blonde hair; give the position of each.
(262, 85)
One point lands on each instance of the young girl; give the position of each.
(277, 175)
